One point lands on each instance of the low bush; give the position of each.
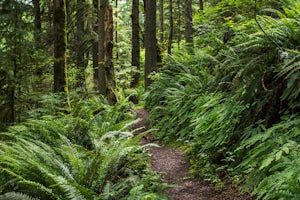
(87, 154)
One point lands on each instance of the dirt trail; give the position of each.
(173, 164)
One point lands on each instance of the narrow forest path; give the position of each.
(173, 164)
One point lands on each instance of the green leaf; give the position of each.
(286, 149)
(266, 162)
(278, 155)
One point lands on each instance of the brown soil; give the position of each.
(173, 164)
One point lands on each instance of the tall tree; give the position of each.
(37, 31)
(102, 6)
(37, 21)
(103, 50)
(60, 45)
(201, 5)
(150, 39)
(161, 21)
(171, 31)
(80, 62)
(108, 45)
(95, 44)
(135, 50)
(116, 28)
(12, 83)
(188, 22)
(179, 12)
(16, 60)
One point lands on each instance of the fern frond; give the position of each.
(69, 188)
(290, 67)
(16, 196)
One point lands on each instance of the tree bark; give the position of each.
(95, 46)
(37, 21)
(161, 21)
(201, 5)
(135, 51)
(60, 45)
(12, 86)
(109, 66)
(80, 45)
(37, 31)
(150, 39)
(179, 24)
(11, 114)
(116, 28)
(171, 21)
(101, 34)
(188, 23)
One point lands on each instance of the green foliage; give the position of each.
(179, 86)
(215, 121)
(16, 196)
(272, 159)
(235, 103)
(25, 67)
(16, 45)
(67, 157)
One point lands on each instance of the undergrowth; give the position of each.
(89, 153)
(235, 105)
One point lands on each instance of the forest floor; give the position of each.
(173, 165)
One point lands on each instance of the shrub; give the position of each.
(76, 156)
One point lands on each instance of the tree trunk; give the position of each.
(11, 114)
(188, 23)
(12, 86)
(96, 47)
(80, 45)
(161, 21)
(101, 34)
(60, 45)
(201, 5)
(135, 51)
(37, 21)
(109, 67)
(171, 27)
(37, 32)
(179, 23)
(116, 29)
(150, 39)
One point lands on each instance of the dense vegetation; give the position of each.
(87, 154)
(234, 104)
(62, 141)
(225, 85)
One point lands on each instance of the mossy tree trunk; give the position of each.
(103, 50)
(60, 45)
(108, 44)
